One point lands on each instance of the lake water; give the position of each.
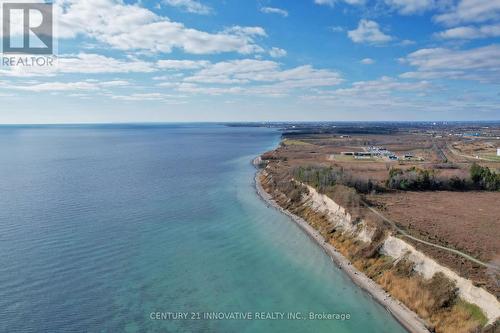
(100, 226)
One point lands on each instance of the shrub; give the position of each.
(484, 178)
(323, 178)
(412, 179)
(457, 183)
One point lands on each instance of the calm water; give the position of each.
(102, 225)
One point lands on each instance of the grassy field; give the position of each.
(463, 220)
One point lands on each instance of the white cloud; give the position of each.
(182, 64)
(246, 31)
(407, 7)
(479, 64)
(115, 83)
(384, 85)
(131, 27)
(337, 29)
(274, 10)
(191, 6)
(406, 42)
(276, 52)
(379, 95)
(190, 88)
(236, 71)
(138, 97)
(25, 72)
(88, 85)
(391, 98)
(82, 63)
(439, 58)
(471, 11)
(251, 77)
(355, 2)
(94, 64)
(250, 70)
(367, 61)
(368, 32)
(470, 32)
(331, 3)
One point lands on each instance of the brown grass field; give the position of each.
(466, 221)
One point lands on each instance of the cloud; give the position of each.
(251, 70)
(251, 77)
(337, 29)
(130, 27)
(355, 2)
(144, 97)
(276, 52)
(84, 63)
(89, 85)
(273, 10)
(384, 94)
(406, 42)
(182, 64)
(470, 32)
(393, 98)
(479, 64)
(331, 3)
(95, 64)
(190, 6)
(368, 32)
(408, 7)
(246, 31)
(235, 71)
(471, 11)
(384, 85)
(367, 61)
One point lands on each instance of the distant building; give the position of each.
(358, 154)
(498, 151)
(363, 153)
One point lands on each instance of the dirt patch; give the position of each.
(469, 221)
(464, 221)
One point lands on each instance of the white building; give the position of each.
(498, 151)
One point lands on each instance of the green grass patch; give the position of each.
(474, 310)
(288, 142)
(492, 158)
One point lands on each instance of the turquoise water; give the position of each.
(102, 225)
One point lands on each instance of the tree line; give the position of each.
(412, 179)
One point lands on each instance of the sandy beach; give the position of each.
(401, 313)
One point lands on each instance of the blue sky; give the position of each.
(249, 60)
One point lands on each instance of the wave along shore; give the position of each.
(400, 312)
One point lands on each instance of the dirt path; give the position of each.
(407, 235)
(470, 157)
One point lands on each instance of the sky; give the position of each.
(263, 60)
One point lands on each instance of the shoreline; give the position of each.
(407, 318)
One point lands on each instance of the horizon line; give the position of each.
(248, 122)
